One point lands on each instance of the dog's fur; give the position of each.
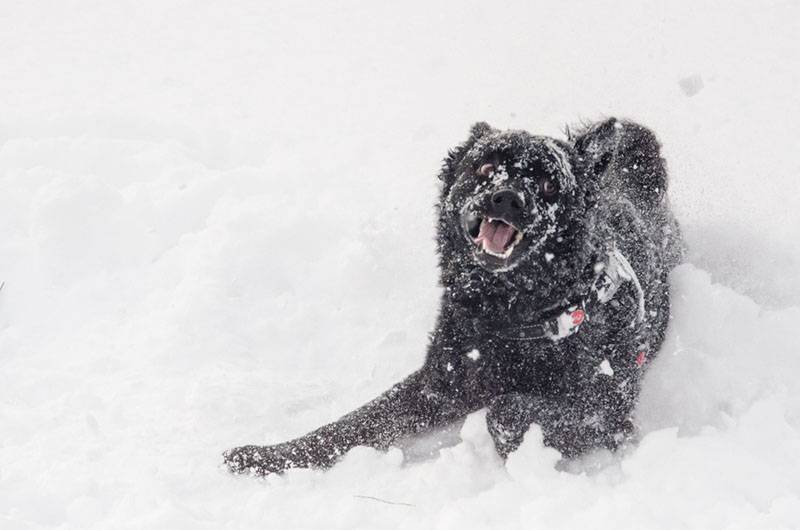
(555, 330)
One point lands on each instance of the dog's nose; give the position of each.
(506, 202)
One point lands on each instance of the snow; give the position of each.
(605, 368)
(691, 86)
(218, 227)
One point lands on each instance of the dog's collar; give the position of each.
(567, 319)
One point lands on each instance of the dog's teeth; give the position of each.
(508, 251)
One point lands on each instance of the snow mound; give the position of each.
(210, 220)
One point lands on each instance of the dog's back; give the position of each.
(635, 173)
(633, 206)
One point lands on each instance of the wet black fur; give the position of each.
(612, 195)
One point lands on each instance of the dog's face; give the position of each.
(510, 200)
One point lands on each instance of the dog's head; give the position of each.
(512, 203)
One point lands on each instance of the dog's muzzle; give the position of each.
(496, 231)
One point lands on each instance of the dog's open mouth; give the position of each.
(495, 236)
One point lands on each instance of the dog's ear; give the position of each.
(454, 157)
(595, 146)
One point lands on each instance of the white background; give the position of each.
(216, 228)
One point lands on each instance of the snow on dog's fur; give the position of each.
(554, 257)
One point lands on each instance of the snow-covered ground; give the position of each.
(216, 227)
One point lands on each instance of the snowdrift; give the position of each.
(217, 228)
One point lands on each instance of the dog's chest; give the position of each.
(608, 339)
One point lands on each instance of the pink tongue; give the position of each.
(495, 235)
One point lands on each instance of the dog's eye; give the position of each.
(485, 170)
(548, 187)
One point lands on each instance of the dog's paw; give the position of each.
(256, 460)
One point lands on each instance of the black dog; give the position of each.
(554, 260)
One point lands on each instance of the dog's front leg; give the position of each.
(407, 408)
(571, 426)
